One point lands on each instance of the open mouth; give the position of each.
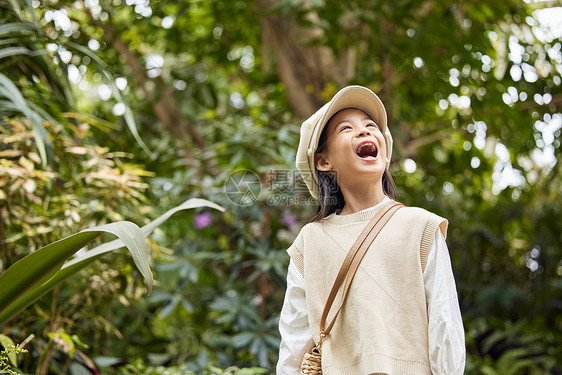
(367, 151)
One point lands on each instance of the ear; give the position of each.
(321, 163)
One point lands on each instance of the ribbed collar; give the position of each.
(363, 215)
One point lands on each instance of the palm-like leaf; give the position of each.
(25, 59)
(12, 100)
(39, 272)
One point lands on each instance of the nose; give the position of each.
(363, 132)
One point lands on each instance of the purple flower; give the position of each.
(203, 220)
(290, 221)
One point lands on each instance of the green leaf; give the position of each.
(102, 67)
(146, 230)
(10, 91)
(37, 268)
(64, 341)
(79, 342)
(17, 28)
(17, 297)
(11, 51)
(242, 339)
(7, 343)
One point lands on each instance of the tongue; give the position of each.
(364, 152)
(367, 150)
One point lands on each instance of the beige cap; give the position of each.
(351, 96)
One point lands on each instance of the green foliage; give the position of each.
(14, 100)
(8, 355)
(496, 347)
(210, 95)
(141, 369)
(88, 184)
(40, 271)
(42, 90)
(33, 275)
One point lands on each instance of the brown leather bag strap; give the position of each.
(351, 263)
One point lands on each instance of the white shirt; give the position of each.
(447, 353)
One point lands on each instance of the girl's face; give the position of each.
(355, 149)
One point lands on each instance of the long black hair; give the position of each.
(330, 196)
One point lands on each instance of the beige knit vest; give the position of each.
(383, 325)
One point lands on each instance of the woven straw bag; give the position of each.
(312, 361)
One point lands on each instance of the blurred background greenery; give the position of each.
(121, 109)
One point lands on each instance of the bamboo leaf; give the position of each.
(129, 118)
(12, 51)
(13, 94)
(16, 28)
(30, 11)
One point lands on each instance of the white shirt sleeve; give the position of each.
(296, 338)
(447, 351)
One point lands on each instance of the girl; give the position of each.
(401, 315)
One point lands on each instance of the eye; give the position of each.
(373, 125)
(344, 127)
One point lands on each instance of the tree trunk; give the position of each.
(305, 71)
